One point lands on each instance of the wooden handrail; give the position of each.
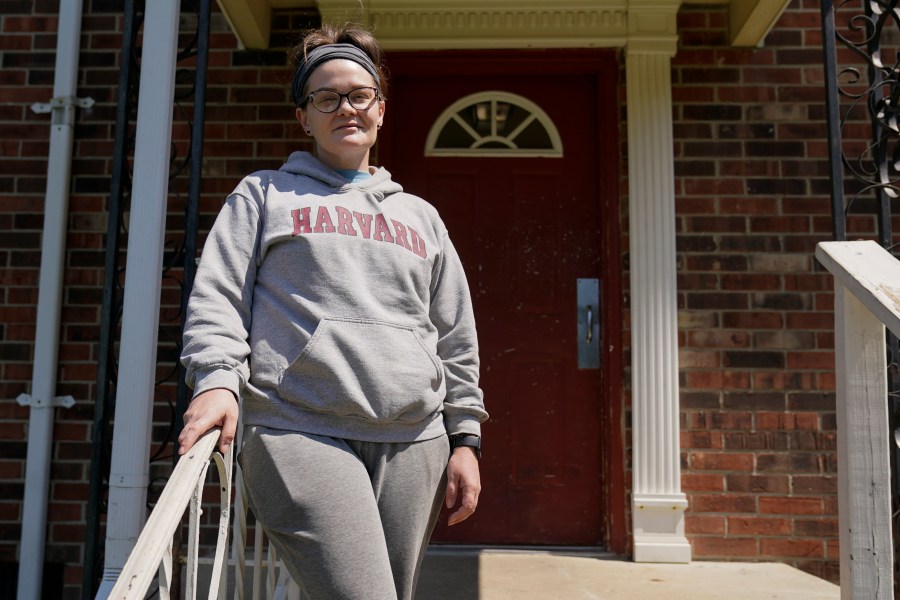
(184, 491)
(870, 272)
(156, 537)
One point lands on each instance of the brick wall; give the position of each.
(756, 322)
(752, 199)
(27, 55)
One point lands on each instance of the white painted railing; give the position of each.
(152, 554)
(867, 299)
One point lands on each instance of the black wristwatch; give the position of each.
(472, 441)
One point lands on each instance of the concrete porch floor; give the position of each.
(534, 574)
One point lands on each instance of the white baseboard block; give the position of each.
(659, 528)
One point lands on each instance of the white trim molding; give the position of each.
(446, 24)
(438, 24)
(657, 501)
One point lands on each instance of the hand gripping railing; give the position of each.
(153, 552)
(184, 491)
(866, 300)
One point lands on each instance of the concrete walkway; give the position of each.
(478, 574)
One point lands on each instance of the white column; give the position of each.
(129, 472)
(658, 503)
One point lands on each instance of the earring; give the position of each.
(308, 132)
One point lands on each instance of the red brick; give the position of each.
(697, 440)
(784, 339)
(731, 420)
(817, 528)
(758, 168)
(832, 549)
(784, 505)
(825, 381)
(782, 380)
(757, 440)
(825, 340)
(703, 380)
(700, 482)
(753, 320)
(721, 461)
(718, 339)
(723, 503)
(787, 421)
(66, 511)
(71, 431)
(747, 281)
(754, 359)
(698, 359)
(69, 491)
(11, 469)
(783, 462)
(10, 511)
(21, 24)
(768, 526)
(792, 547)
(723, 547)
(824, 302)
(694, 524)
(67, 532)
(810, 360)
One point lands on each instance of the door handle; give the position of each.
(589, 334)
(590, 324)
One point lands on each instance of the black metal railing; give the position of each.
(179, 264)
(861, 43)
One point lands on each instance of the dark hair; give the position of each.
(348, 33)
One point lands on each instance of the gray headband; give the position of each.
(323, 54)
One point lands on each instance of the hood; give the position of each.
(304, 163)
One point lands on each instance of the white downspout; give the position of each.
(46, 338)
(129, 472)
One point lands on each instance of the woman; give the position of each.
(333, 308)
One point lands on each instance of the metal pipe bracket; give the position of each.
(56, 401)
(63, 108)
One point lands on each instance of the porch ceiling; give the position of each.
(443, 24)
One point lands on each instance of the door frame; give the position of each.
(604, 65)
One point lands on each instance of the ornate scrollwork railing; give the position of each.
(862, 72)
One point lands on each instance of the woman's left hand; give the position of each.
(463, 481)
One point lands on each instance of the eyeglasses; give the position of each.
(327, 101)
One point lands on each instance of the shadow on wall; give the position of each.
(52, 586)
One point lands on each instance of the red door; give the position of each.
(526, 230)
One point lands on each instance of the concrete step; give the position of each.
(454, 573)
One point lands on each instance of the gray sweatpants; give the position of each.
(350, 519)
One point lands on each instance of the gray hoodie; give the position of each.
(335, 308)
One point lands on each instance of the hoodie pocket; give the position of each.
(365, 368)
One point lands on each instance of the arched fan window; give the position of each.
(494, 124)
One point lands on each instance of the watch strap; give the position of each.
(472, 441)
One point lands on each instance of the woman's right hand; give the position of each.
(213, 408)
